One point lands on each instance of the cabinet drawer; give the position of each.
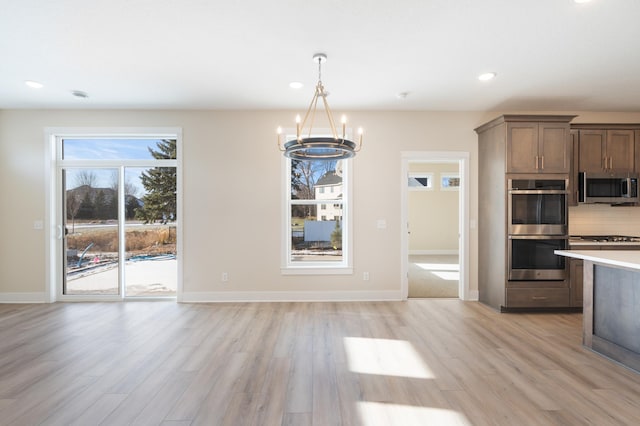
(538, 297)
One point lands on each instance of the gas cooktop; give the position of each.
(606, 238)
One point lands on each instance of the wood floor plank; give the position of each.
(432, 361)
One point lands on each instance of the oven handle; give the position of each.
(538, 237)
(538, 191)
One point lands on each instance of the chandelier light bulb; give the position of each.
(344, 126)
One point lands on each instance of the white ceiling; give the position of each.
(226, 54)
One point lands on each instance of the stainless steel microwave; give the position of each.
(608, 188)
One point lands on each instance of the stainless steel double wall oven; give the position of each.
(537, 225)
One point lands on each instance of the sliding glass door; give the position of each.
(119, 218)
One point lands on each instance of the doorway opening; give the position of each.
(115, 205)
(435, 225)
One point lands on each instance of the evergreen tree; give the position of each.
(131, 205)
(112, 206)
(336, 236)
(159, 202)
(86, 207)
(100, 206)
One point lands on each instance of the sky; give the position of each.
(108, 149)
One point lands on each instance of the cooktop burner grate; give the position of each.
(607, 238)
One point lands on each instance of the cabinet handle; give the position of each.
(542, 162)
(539, 297)
(536, 162)
(610, 163)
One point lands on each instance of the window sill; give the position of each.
(315, 270)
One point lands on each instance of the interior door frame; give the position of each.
(53, 209)
(463, 216)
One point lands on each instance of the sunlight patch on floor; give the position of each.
(448, 276)
(444, 271)
(385, 357)
(438, 266)
(380, 413)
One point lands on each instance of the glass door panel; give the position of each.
(90, 222)
(151, 268)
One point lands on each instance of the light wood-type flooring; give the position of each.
(421, 362)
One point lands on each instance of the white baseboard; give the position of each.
(34, 297)
(473, 296)
(432, 252)
(289, 296)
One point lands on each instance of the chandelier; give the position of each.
(307, 147)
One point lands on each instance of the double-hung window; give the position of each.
(317, 219)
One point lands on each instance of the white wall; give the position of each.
(231, 169)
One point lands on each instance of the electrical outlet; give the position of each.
(365, 276)
(225, 277)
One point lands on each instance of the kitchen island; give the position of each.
(611, 324)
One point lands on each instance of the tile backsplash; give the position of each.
(602, 219)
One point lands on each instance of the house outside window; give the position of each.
(317, 225)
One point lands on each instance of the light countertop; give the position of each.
(621, 258)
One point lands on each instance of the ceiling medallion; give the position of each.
(319, 148)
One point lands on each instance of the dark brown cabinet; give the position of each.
(576, 268)
(575, 282)
(516, 147)
(538, 147)
(603, 150)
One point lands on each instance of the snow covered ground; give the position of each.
(142, 278)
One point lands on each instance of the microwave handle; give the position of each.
(629, 187)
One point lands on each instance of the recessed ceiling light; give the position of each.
(402, 95)
(296, 85)
(79, 94)
(487, 76)
(34, 84)
(581, 1)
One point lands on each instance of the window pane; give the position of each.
(316, 180)
(150, 231)
(313, 238)
(91, 231)
(118, 149)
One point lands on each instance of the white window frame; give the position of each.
(342, 267)
(54, 163)
(429, 175)
(447, 176)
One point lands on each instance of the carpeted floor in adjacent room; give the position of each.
(433, 276)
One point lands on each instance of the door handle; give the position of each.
(59, 233)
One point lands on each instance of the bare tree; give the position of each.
(86, 177)
(73, 205)
(130, 190)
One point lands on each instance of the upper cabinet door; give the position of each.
(592, 151)
(554, 148)
(607, 151)
(538, 147)
(522, 148)
(620, 151)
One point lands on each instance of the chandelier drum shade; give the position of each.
(333, 147)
